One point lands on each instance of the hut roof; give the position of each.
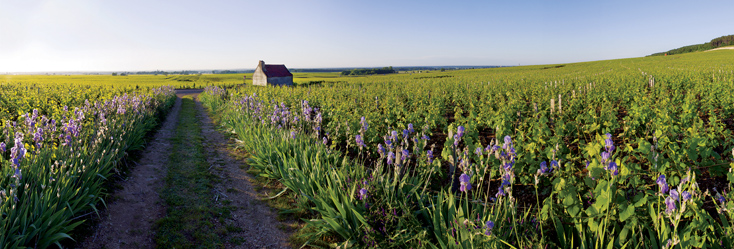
(276, 71)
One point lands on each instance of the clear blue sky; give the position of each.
(86, 35)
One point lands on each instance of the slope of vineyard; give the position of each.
(633, 152)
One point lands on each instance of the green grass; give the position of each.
(191, 217)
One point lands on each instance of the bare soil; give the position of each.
(720, 48)
(260, 228)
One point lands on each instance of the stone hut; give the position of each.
(274, 75)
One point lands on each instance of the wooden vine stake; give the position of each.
(560, 107)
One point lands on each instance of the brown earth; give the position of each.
(258, 222)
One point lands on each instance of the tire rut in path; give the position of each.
(257, 221)
(129, 219)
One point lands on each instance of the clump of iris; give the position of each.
(458, 135)
(390, 157)
(606, 155)
(544, 169)
(507, 155)
(672, 200)
(360, 141)
(364, 124)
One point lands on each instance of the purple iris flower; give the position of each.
(430, 156)
(508, 145)
(406, 133)
(460, 131)
(613, 168)
(506, 179)
(508, 166)
(664, 188)
(38, 136)
(608, 143)
(686, 196)
(425, 137)
(2, 147)
(18, 174)
(405, 155)
(364, 124)
(554, 165)
(360, 141)
(489, 227)
(674, 194)
(380, 149)
(293, 134)
(544, 168)
(720, 198)
(325, 141)
(663, 184)
(478, 151)
(465, 184)
(410, 128)
(670, 203)
(362, 194)
(604, 157)
(390, 157)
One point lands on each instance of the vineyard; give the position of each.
(59, 144)
(631, 153)
(129, 82)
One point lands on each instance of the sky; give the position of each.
(135, 35)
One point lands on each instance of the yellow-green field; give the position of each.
(628, 153)
(618, 153)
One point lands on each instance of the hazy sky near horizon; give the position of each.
(132, 35)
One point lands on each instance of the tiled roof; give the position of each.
(276, 71)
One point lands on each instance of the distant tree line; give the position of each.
(715, 43)
(231, 71)
(367, 71)
(157, 72)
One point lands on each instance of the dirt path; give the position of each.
(130, 217)
(258, 222)
(720, 48)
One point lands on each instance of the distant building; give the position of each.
(274, 75)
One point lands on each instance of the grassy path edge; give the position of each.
(191, 217)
